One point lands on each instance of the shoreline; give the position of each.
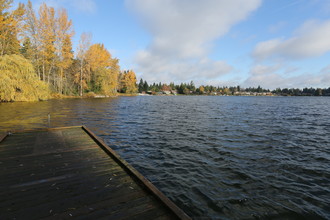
(97, 96)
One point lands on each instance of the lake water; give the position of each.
(215, 157)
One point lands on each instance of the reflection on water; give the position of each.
(216, 157)
(67, 112)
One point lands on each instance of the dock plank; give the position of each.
(68, 172)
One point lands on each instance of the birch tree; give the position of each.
(47, 34)
(63, 46)
(10, 27)
(31, 32)
(84, 44)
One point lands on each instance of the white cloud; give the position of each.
(183, 32)
(158, 68)
(275, 59)
(311, 40)
(274, 76)
(258, 70)
(266, 76)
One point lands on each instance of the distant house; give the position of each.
(167, 92)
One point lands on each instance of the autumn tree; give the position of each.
(165, 87)
(64, 52)
(27, 50)
(80, 77)
(10, 27)
(44, 39)
(47, 34)
(47, 42)
(129, 82)
(31, 42)
(201, 90)
(103, 70)
(226, 91)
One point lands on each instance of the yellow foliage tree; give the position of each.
(103, 70)
(63, 46)
(49, 35)
(226, 91)
(47, 38)
(201, 90)
(98, 57)
(129, 82)
(10, 27)
(18, 81)
(32, 38)
(84, 44)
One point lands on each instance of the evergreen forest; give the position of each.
(191, 89)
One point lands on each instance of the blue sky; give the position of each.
(271, 43)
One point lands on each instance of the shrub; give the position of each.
(18, 81)
(89, 95)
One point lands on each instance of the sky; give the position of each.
(271, 43)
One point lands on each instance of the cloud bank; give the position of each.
(275, 76)
(274, 58)
(310, 40)
(182, 36)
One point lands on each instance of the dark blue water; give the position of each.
(215, 157)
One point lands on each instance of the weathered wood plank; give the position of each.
(19, 190)
(84, 211)
(120, 210)
(67, 172)
(19, 173)
(74, 198)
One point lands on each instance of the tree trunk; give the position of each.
(61, 81)
(37, 66)
(43, 70)
(81, 72)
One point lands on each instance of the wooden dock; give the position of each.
(65, 173)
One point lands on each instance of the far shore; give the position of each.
(100, 96)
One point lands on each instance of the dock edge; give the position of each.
(144, 181)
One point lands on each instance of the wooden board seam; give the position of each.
(44, 129)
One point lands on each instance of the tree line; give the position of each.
(191, 89)
(302, 92)
(37, 58)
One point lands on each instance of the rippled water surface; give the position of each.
(215, 157)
